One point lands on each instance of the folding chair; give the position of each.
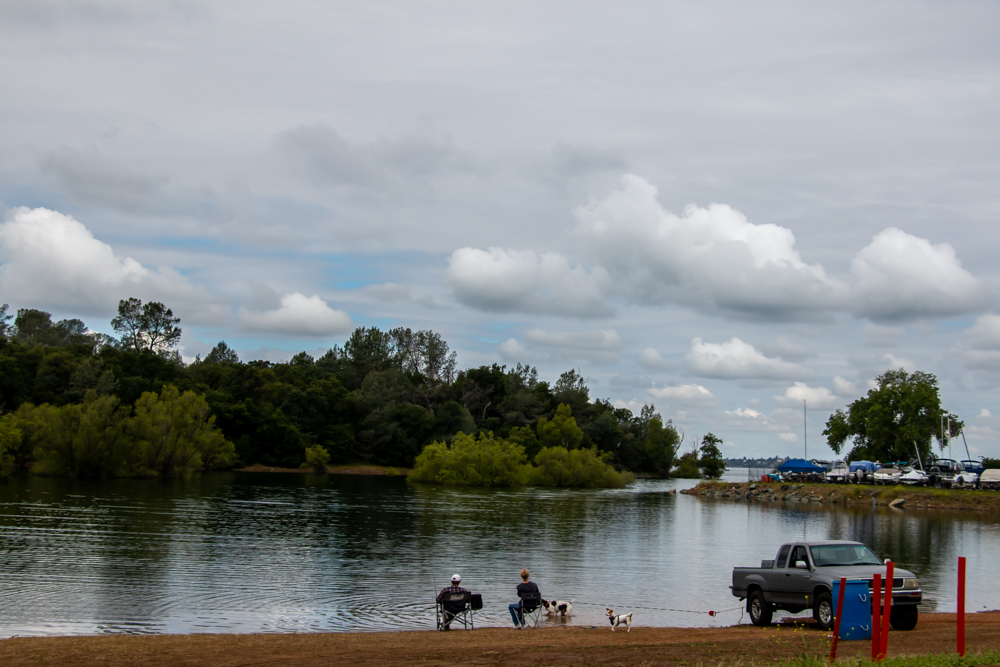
(457, 608)
(531, 609)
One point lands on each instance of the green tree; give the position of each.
(688, 466)
(5, 319)
(486, 461)
(81, 440)
(10, 442)
(151, 326)
(903, 410)
(316, 458)
(586, 468)
(35, 327)
(660, 445)
(711, 463)
(222, 354)
(561, 430)
(171, 434)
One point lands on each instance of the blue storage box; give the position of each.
(856, 616)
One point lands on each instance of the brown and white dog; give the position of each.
(621, 619)
(561, 607)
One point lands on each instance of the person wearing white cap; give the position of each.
(454, 588)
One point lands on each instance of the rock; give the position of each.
(753, 487)
(674, 491)
(898, 502)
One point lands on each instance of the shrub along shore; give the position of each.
(907, 497)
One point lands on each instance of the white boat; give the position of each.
(888, 474)
(839, 473)
(990, 479)
(913, 477)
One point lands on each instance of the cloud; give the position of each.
(651, 358)
(788, 437)
(746, 412)
(819, 398)
(599, 340)
(842, 387)
(298, 316)
(91, 177)
(736, 360)
(712, 259)
(323, 155)
(508, 281)
(686, 393)
(902, 277)
(53, 261)
(511, 350)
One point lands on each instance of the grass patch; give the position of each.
(988, 657)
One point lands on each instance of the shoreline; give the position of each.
(561, 645)
(897, 497)
(356, 469)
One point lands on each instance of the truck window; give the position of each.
(782, 556)
(798, 554)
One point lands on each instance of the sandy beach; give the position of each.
(492, 646)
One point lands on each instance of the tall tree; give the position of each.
(561, 430)
(662, 441)
(901, 412)
(4, 320)
(150, 326)
(711, 463)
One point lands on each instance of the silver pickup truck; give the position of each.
(801, 577)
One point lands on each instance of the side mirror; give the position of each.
(801, 564)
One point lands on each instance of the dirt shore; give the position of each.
(901, 497)
(645, 647)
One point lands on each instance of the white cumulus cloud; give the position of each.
(298, 316)
(900, 277)
(509, 281)
(710, 258)
(651, 358)
(820, 398)
(736, 360)
(51, 260)
(685, 393)
(511, 350)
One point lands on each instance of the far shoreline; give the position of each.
(351, 469)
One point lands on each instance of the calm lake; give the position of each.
(240, 552)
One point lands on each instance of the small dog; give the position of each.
(622, 619)
(560, 607)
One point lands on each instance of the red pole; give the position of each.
(886, 615)
(876, 611)
(961, 606)
(836, 618)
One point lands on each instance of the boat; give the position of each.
(862, 472)
(887, 474)
(801, 470)
(973, 466)
(913, 476)
(990, 479)
(839, 473)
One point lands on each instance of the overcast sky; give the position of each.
(719, 208)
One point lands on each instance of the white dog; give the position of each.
(561, 607)
(622, 619)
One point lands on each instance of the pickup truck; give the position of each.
(801, 577)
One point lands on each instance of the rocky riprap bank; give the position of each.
(894, 496)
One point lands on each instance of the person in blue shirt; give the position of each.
(525, 586)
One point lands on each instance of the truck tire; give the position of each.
(823, 611)
(760, 610)
(903, 618)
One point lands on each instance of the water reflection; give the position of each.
(244, 552)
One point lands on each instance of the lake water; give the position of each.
(240, 552)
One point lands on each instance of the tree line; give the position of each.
(380, 398)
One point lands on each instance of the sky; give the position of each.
(720, 208)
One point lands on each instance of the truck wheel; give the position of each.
(823, 611)
(903, 618)
(760, 610)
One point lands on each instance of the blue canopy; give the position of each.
(799, 466)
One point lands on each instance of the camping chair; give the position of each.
(531, 609)
(458, 608)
